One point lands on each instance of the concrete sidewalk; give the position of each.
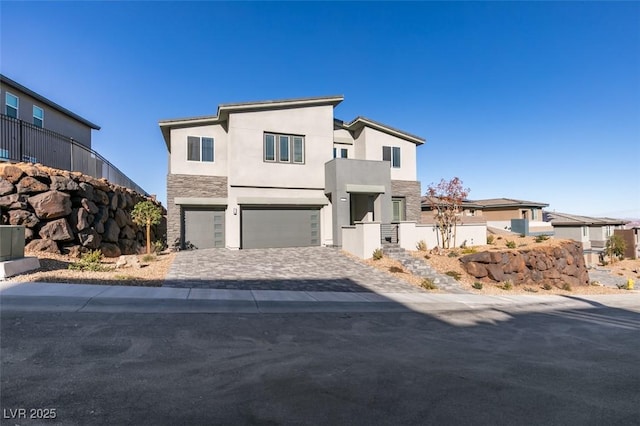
(97, 298)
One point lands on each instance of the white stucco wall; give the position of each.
(409, 234)
(374, 140)
(178, 162)
(574, 233)
(362, 239)
(246, 136)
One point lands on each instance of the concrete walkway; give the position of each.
(97, 298)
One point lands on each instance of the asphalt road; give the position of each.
(497, 367)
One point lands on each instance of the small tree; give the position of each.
(446, 198)
(147, 213)
(615, 247)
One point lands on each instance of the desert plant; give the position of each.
(454, 274)
(149, 258)
(490, 239)
(469, 250)
(446, 199)
(395, 269)
(158, 246)
(530, 290)
(510, 244)
(477, 285)
(595, 283)
(615, 247)
(522, 235)
(507, 285)
(377, 254)
(421, 245)
(428, 284)
(146, 213)
(426, 256)
(89, 261)
(547, 286)
(453, 253)
(541, 238)
(566, 287)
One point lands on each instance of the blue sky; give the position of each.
(536, 101)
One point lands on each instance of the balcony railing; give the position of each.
(22, 141)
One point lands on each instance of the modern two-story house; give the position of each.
(285, 173)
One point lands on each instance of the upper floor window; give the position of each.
(199, 149)
(340, 153)
(391, 154)
(279, 148)
(11, 105)
(38, 116)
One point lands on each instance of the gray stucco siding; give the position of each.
(189, 186)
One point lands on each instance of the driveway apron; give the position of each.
(298, 269)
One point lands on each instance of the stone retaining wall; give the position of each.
(70, 212)
(555, 265)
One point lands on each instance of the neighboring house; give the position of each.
(499, 213)
(631, 234)
(285, 173)
(592, 232)
(37, 130)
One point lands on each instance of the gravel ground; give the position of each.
(55, 269)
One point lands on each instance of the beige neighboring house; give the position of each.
(285, 173)
(498, 214)
(592, 232)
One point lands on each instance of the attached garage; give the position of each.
(270, 227)
(203, 227)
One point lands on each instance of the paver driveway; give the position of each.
(300, 268)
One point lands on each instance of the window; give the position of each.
(11, 105)
(38, 116)
(199, 149)
(391, 154)
(342, 153)
(283, 148)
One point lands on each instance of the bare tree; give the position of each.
(446, 199)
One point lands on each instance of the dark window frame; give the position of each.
(295, 148)
(200, 149)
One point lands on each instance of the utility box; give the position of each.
(11, 242)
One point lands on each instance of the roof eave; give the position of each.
(363, 121)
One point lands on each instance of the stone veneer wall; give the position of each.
(555, 265)
(189, 186)
(410, 190)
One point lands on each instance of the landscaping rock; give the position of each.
(51, 204)
(89, 206)
(128, 261)
(62, 183)
(43, 245)
(110, 250)
(11, 173)
(8, 200)
(82, 219)
(30, 185)
(6, 187)
(129, 246)
(23, 217)
(57, 230)
(86, 191)
(121, 218)
(100, 197)
(90, 238)
(111, 231)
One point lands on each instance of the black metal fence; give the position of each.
(22, 141)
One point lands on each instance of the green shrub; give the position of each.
(89, 261)
(547, 286)
(421, 245)
(490, 239)
(566, 287)
(477, 285)
(428, 284)
(507, 285)
(615, 247)
(454, 253)
(456, 275)
(377, 254)
(158, 246)
(522, 236)
(426, 256)
(541, 238)
(595, 283)
(149, 258)
(510, 244)
(395, 269)
(469, 250)
(530, 290)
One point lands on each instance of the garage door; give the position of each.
(204, 228)
(280, 227)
